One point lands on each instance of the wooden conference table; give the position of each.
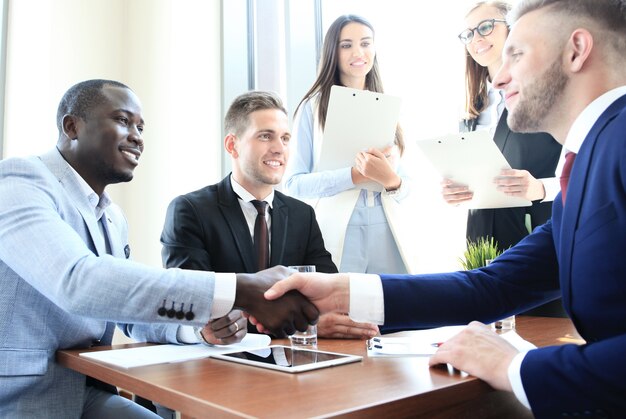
(394, 387)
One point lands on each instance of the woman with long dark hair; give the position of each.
(361, 227)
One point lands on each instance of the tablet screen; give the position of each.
(286, 358)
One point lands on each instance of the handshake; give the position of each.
(279, 305)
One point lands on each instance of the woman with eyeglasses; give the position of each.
(362, 228)
(533, 157)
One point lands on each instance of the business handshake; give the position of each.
(282, 306)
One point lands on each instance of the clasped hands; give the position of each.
(511, 182)
(476, 350)
(280, 316)
(377, 165)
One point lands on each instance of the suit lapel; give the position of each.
(61, 169)
(113, 235)
(231, 211)
(280, 216)
(502, 131)
(576, 193)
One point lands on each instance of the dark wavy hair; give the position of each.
(328, 73)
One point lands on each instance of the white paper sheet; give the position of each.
(426, 342)
(357, 120)
(161, 354)
(472, 159)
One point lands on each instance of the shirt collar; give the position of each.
(589, 116)
(97, 203)
(247, 196)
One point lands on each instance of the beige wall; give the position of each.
(168, 51)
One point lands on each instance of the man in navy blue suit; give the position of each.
(563, 72)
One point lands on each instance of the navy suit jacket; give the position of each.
(577, 255)
(206, 230)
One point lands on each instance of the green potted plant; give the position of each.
(478, 253)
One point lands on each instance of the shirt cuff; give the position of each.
(223, 294)
(515, 378)
(551, 186)
(399, 194)
(186, 334)
(366, 299)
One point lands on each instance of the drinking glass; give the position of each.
(308, 338)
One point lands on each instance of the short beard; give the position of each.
(539, 100)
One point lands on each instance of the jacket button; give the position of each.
(162, 311)
(190, 315)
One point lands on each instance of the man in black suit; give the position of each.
(213, 228)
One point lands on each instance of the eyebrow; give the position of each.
(350, 40)
(273, 132)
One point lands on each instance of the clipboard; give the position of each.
(356, 120)
(473, 159)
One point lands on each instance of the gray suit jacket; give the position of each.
(58, 288)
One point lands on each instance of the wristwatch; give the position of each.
(394, 191)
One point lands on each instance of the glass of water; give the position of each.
(308, 338)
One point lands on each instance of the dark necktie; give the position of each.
(261, 237)
(567, 169)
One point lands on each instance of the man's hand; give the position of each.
(281, 317)
(520, 183)
(226, 330)
(480, 352)
(455, 193)
(329, 292)
(339, 325)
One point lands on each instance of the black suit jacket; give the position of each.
(206, 230)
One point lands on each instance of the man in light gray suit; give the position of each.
(64, 274)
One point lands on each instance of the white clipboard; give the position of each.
(356, 120)
(473, 159)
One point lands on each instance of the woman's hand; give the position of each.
(377, 165)
(455, 193)
(520, 183)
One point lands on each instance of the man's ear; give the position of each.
(578, 48)
(70, 126)
(230, 144)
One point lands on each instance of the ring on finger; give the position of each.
(236, 327)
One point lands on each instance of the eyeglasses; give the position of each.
(484, 28)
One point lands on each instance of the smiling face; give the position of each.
(532, 76)
(355, 54)
(260, 153)
(105, 146)
(486, 50)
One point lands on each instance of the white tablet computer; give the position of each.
(288, 359)
(473, 159)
